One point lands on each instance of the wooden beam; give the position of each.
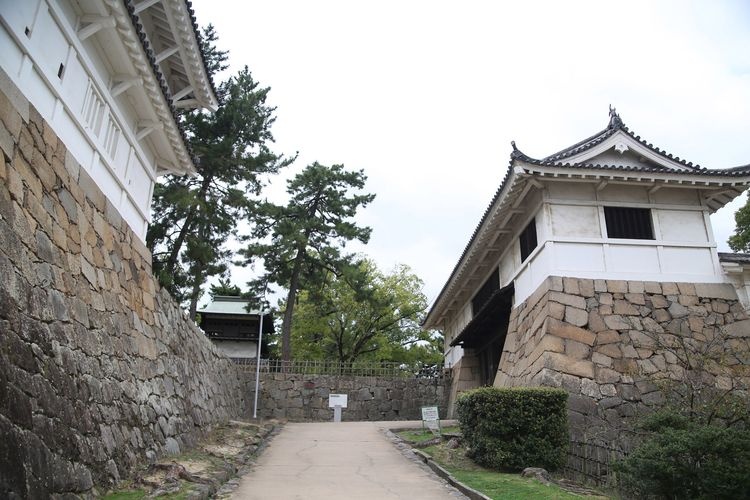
(121, 85)
(145, 4)
(166, 53)
(145, 127)
(93, 24)
(182, 93)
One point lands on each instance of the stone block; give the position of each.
(606, 299)
(662, 315)
(687, 300)
(568, 300)
(616, 322)
(595, 322)
(568, 331)
(617, 286)
(557, 310)
(576, 350)
(636, 287)
(611, 350)
(575, 316)
(590, 388)
(624, 307)
(565, 364)
(739, 329)
(570, 286)
(723, 291)
(669, 289)
(719, 306)
(677, 310)
(600, 286)
(601, 359)
(686, 288)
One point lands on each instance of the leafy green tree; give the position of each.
(740, 240)
(194, 216)
(365, 314)
(303, 241)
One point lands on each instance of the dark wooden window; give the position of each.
(528, 240)
(483, 295)
(630, 223)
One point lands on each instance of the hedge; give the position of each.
(514, 428)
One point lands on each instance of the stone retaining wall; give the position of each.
(607, 342)
(99, 369)
(305, 397)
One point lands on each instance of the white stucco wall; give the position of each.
(237, 348)
(572, 240)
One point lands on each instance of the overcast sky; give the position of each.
(426, 96)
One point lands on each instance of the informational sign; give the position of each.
(335, 400)
(431, 418)
(428, 413)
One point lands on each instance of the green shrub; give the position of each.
(682, 458)
(513, 428)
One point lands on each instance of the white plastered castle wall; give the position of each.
(65, 78)
(572, 241)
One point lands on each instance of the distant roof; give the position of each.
(222, 304)
(738, 258)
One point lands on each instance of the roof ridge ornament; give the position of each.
(516, 153)
(615, 121)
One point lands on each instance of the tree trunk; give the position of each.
(195, 293)
(186, 227)
(286, 326)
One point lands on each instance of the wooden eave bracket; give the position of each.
(145, 4)
(146, 127)
(92, 24)
(121, 83)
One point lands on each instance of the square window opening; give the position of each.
(629, 223)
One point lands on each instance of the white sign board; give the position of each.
(431, 419)
(335, 400)
(430, 413)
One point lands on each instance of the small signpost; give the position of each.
(431, 419)
(337, 401)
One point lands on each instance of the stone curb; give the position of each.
(437, 469)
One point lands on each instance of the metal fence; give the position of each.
(356, 368)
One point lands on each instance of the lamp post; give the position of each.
(257, 356)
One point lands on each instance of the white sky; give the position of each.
(426, 96)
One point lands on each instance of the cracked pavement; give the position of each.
(341, 460)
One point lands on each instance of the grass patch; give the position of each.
(496, 485)
(422, 435)
(126, 495)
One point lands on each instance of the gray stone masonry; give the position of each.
(99, 369)
(610, 342)
(305, 397)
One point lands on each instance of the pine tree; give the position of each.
(193, 217)
(303, 240)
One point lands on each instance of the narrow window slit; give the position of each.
(60, 70)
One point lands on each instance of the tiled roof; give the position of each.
(130, 6)
(196, 30)
(615, 124)
(738, 258)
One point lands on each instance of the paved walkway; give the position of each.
(347, 460)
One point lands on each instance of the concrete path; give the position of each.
(347, 460)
